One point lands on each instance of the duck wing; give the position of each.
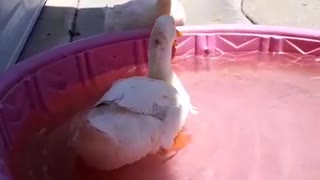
(142, 95)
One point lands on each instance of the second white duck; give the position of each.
(141, 14)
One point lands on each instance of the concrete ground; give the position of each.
(63, 21)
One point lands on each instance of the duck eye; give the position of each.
(157, 41)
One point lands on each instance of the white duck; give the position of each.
(141, 14)
(139, 115)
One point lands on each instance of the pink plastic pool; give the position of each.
(257, 89)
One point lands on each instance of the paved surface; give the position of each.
(295, 13)
(63, 21)
(90, 16)
(52, 27)
(56, 20)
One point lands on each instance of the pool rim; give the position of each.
(30, 65)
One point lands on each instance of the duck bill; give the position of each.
(179, 34)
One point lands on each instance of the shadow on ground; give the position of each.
(60, 25)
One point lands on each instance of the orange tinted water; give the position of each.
(258, 119)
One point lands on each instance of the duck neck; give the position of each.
(160, 64)
(164, 7)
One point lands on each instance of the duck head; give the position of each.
(162, 47)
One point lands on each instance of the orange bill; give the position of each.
(179, 34)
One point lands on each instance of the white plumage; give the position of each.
(141, 14)
(155, 96)
(138, 115)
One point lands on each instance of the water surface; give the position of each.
(258, 119)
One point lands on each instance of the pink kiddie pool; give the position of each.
(257, 89)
